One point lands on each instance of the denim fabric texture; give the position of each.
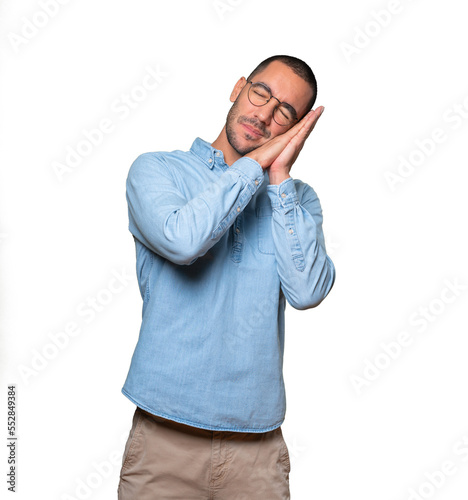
(219, 253)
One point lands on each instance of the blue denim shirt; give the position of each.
(219, 251)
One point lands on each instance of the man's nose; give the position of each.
(265, 113)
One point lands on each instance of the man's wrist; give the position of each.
(253, 155)
(277, 178)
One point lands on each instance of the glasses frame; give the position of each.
(270, 98)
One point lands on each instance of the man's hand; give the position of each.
(280, 153)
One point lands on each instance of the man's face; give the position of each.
(249, 126)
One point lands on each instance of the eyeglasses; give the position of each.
(259, 95)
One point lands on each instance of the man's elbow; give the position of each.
(306, 302)
(311, 298)
(181, 257)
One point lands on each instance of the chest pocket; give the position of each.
(264, 226)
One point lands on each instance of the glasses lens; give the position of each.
(283, 115)
(258, 94)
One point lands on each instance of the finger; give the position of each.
(313, 118)
(300, 137)
(309, 125)
(308, 121)
(299, 125)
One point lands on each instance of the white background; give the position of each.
(394, 250)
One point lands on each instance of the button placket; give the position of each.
(237, 239)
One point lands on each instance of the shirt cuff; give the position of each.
(250, 171)
(283, 194)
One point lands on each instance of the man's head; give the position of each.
(289, 81)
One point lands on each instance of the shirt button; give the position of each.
(291, 231)
(256, 183)
(237, 230)
(210, 160)
(283, 195)
(218, 153)
(238, 209)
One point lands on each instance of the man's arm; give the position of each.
(178, 229)
(279, 154)
(306, 272)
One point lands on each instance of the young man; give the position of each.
(224, 237)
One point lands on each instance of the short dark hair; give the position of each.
(299, 67)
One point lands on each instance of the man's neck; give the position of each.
(229, 153)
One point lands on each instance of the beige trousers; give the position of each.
(163, 460)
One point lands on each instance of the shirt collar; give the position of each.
(206, 152)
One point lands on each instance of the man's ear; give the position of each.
(237, 88)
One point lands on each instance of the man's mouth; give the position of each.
(252, 130)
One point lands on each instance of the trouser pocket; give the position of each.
(133, 436)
